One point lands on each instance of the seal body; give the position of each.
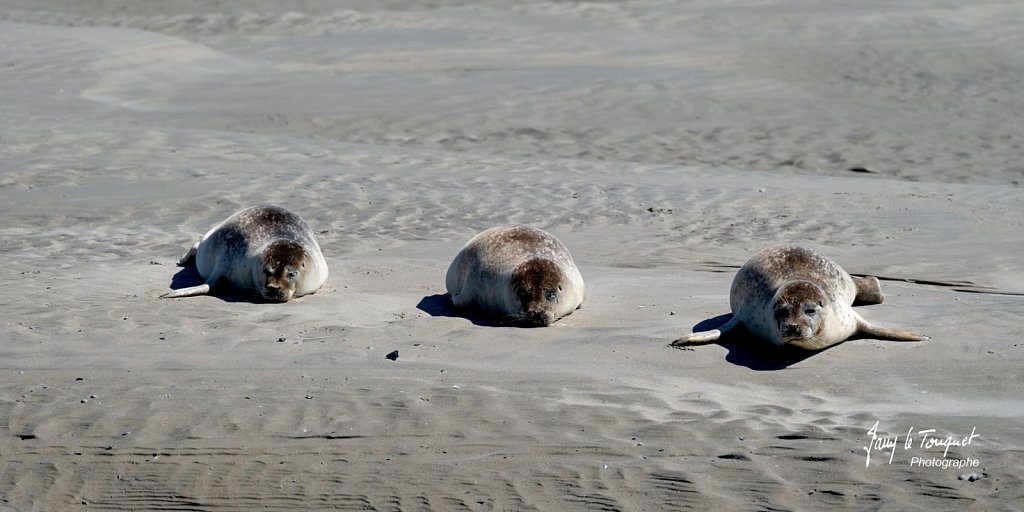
(793, 295)
(516, 274)
(267, 250)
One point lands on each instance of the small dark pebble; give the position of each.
(79, 378)
(392, 355)
(281, 339)
(861, 169)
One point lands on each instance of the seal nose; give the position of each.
(790, 329)
(272, 291)
(537, 317)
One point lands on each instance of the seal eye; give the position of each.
(810, 311)
(291, 275)
(551, 295)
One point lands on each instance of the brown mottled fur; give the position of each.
(281, 261)
(793, 295)
(517, 275)
(536, 282)
(266, 250)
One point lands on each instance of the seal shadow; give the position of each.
(441, 305)
(747, 350)
(189, 276)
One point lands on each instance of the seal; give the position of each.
(268, 250)
(517, 274)
(792, 295)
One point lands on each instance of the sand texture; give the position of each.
(662, 142)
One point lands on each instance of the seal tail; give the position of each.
(705, 337)
(869, 330)
(192, 291)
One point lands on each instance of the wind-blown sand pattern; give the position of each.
(663, 142)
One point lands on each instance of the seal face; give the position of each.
(799, 307)
(793, 295)
(266, 250)
(283, 261)
(516, 274)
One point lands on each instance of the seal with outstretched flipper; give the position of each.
(792, 295)
(267, 250)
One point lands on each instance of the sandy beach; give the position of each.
(663, 142)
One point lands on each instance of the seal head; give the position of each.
(283, 264)
(536, 284)
(799, 312)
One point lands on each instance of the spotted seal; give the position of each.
(268, 250)
(517, 274)
(792, 295)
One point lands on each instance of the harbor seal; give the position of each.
(267, 250)
(517, 274)
(792, 295)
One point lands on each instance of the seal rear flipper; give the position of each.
(867, 329)
(192, 291)
(869, 291)
(706, 337)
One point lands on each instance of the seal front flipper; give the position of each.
(869, 330)
(706, 337)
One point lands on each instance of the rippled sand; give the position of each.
(663, 143)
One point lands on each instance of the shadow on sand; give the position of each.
(189, 276)
(441, 305)
(751, 352)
